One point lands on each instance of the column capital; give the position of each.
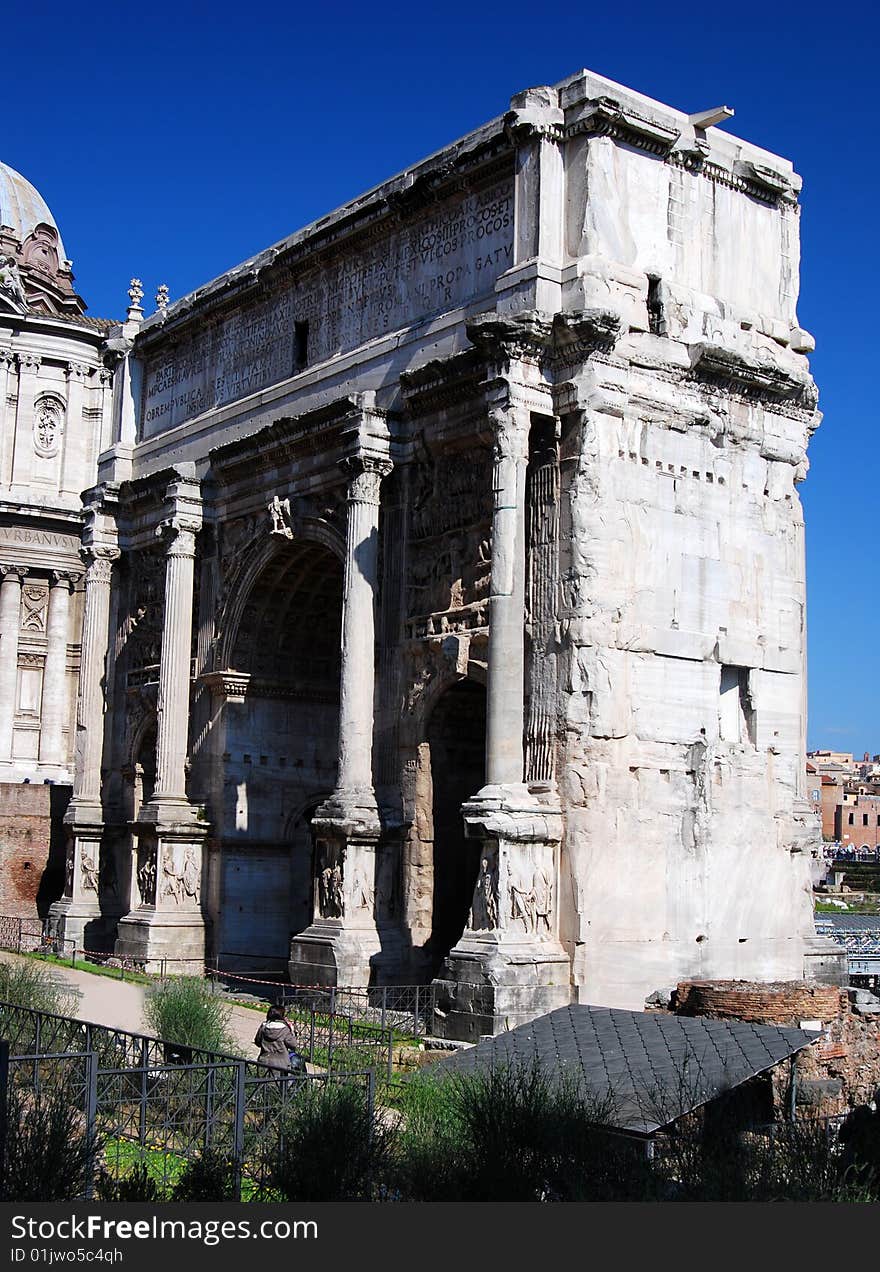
(99, 558)
(365, 473)
(29, 361)
(535, 114)
(524, 337)
(510, 430)
(13, 569)
(179, 535)
(7, 357)
(77, 370)
(65, 578)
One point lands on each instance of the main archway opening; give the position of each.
(456, 753)
(280, 735)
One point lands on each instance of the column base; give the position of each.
(166, 932)
(341, 945)
(487, 987)
(80, 922)
(77, 917)
(329, 953)
(825, 961)
(509, 965)
(171, 944)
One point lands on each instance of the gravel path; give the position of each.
(103, 1000)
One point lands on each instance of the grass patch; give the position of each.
(97, 969)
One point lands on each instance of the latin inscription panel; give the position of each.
(453, 252)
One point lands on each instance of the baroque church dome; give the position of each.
(23, 208)
(35, 274)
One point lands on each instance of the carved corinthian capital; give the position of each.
(99, 558)
(365, 475)
(179, 535)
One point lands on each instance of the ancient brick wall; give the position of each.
(842, 1067)
(782, 1003)
(31, 848)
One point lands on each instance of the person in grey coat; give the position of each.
(275, 1040)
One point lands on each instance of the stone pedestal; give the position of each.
(165, 927)
(509, 965)
(340, 946)
(77, 916)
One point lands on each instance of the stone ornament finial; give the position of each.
(135, 296)
(162, 299)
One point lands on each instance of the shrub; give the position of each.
(48, 1153)
(31, 984)
(137, 1185)
(209, 1177)
(331, 1146)
(510, 1134)
(186, 1011)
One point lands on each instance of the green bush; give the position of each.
(30, 984)
(510, 1134)
(48, 1153)
(137, 1185)
(185, 1010)
(208, 1177)
(330, 1147)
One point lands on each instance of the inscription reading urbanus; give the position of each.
(450, 254)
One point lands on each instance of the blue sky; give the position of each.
(173, 140)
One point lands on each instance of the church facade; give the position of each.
(444, 590)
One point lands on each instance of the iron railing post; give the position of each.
(4, 1108)
(142, 1112)
(384, 1003)
(238, 1131)
(209, 1103)
(91, 1119)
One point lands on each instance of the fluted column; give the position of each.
(174, 670)
(357, 677)
(10, 616)
(54, 710)
(506, 669)
(89, 744)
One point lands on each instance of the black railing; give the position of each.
(163, 1116)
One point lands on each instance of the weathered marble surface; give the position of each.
(528, 418)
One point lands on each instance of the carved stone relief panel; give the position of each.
(448, 560)
(48, 417)
(331, 903)
(142, 626)
(34, 604)
(484, 910)
(530, 891)
(182, 875)
(146, 874)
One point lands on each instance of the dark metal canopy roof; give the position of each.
(647, 1068)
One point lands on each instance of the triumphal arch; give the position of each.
(444, 612)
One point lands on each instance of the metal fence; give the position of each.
(404, 1008)
(164, 1116)
(332, 1041)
